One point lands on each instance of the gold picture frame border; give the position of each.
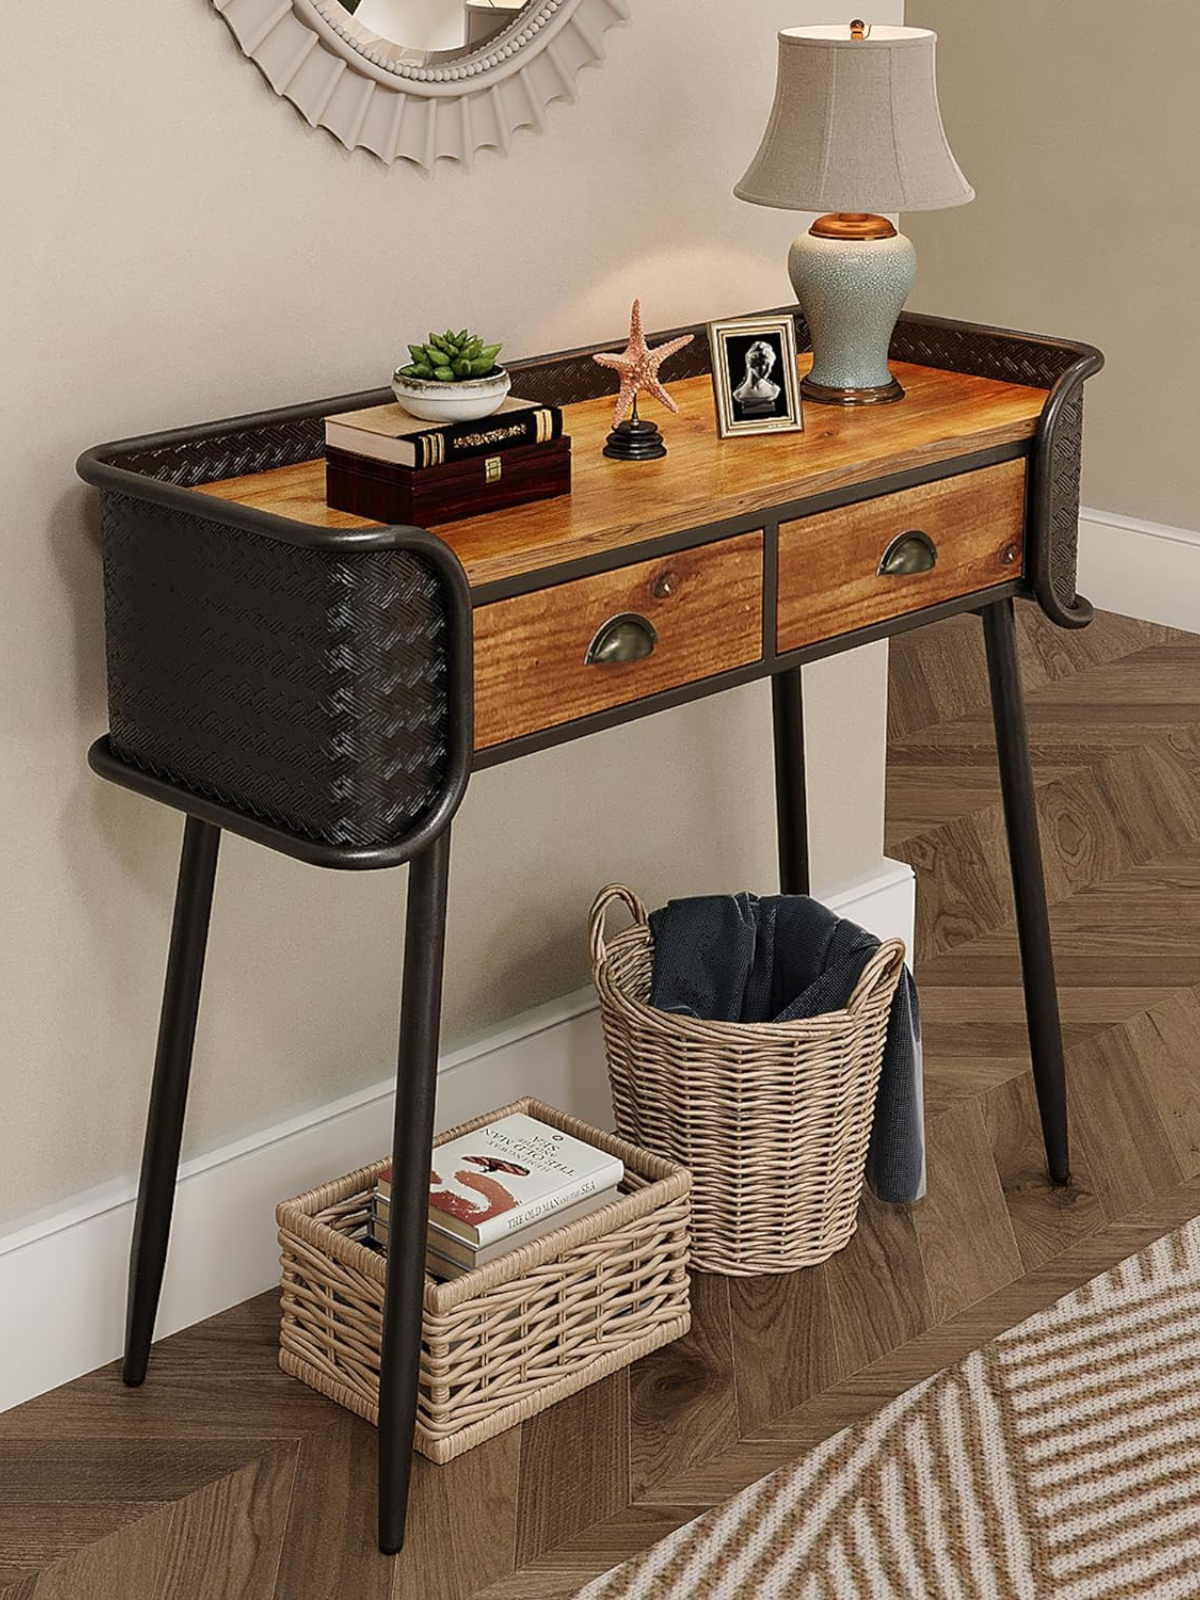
(719, 333)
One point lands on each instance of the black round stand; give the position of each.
(635, 440)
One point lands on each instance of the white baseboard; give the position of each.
(885, 903)
(1140, 569)
(62, 1273)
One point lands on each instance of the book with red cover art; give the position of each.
(440, 1242)
(497, 1180)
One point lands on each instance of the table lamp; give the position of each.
(855, 130)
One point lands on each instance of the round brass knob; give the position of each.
(1008, 555)
(665, 585)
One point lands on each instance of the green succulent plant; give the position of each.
(451, 357)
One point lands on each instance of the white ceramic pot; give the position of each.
(466, 401)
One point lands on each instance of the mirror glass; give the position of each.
(435, 30)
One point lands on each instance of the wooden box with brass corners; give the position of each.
(384, 492)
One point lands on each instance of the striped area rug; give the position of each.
(1060, 1462)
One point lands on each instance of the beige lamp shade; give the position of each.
(855, 126)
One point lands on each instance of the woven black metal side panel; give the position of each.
(306, 688)
(982, 352)
(562, 380)
(958, 347)
(1066, 464)
(992, 353)
(189, 461)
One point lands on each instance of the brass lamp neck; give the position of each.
(852, 225)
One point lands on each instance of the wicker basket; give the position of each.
(509, 1339)
(772, 1119)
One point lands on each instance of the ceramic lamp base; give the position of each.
(878, 395)
(851, 292)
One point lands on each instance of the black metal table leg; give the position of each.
(791, 788)
(1029, 885)
(168, 1096)
(412, 1139)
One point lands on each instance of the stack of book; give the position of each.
(389, 466)
(499, 1187)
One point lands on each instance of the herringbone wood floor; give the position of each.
(222, 1479)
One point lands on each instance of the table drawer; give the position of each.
(960, 534)
(690, 615)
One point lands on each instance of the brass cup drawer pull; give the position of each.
(908, 553)
(627, 637)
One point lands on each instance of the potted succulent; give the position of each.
(452, 377)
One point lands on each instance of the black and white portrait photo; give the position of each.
(754, 375)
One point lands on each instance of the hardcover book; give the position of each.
(391, 434)
(441, 1242)
(441, 1267)
(490, 1184)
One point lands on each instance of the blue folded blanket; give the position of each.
(739, 958)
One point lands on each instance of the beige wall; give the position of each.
(176, 244)
(1078, 122)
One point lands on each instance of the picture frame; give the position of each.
(755, 382)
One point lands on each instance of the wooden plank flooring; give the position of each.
(221, 1478)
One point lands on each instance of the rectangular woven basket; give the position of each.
(511, 1338)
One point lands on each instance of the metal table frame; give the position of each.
(153, 473)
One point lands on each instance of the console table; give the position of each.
(325, 686)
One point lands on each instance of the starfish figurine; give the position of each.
(638, 366)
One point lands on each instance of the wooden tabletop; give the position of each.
(703, 479)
